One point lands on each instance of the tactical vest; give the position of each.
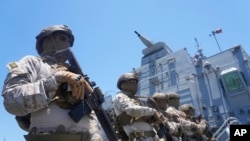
(63, 96)
(124, 119)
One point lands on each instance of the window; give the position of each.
(232, 80)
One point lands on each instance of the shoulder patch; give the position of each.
(12, 65)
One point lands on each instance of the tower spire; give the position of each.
(144, 40)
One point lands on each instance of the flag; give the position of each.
(217, 31)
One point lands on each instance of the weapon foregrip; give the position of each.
(79, 111)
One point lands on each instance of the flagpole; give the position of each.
(213, 33)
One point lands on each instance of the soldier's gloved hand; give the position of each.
(157, 116)
(77, 82)
(176, 118)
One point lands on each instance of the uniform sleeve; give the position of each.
(24, 90)
(203, 125)
(124, 104)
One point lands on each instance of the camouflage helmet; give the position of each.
(187, 109)
(125, 77)
(173, 95)
(159, 96)
(49, 31)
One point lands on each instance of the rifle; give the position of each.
(164, 127)
(196, 119)
(92, 101)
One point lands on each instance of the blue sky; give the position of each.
(105, 43)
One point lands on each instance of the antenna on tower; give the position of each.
(199, 50)
(197, 44)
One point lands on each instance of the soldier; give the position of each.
(161, 100)
(32, 91)
(173, 104)
(178, 116)
(203, 133)
(189, 110)
(133, 117)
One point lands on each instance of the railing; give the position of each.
(223, 133)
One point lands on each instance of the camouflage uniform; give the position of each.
(201, 124)
(133, 117)
(30, 89)
(180, 117)
(161, 100)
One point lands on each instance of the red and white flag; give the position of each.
(218, 31)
